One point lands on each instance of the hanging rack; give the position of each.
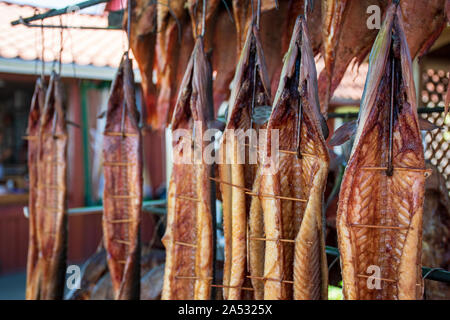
(58, 12)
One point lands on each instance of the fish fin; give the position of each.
(324, 126)
(216, 124)
(426, 125)
(343, 134)
(101, 115)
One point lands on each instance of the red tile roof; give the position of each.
(104, 48)
(101, 48)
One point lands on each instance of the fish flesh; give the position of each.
(333, 14)
(189, 233)
(142, 42)
(51, 202)
(34, 121)
(122, 196)
(256, 248)
(295, 270)
(353, 42)
(170, 13)
(355, 39)
(244, 12)
(195, 12)
(379, 218)
(251, 89)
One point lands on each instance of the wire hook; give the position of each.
(203, 19)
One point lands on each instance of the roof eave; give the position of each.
(68, 70)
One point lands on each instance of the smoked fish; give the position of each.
(251, 89)
(379, 218)
(122, 196)
(190, 209)
(143, 41)
(170, 14)
(34, 121)
(51, 202)
(295, 270)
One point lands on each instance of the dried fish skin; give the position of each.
(122, 197)
(51, 202)
(34, 118)
(251, 88)
(296, 270)
(379, 219)
(189, 233)
(142, 42)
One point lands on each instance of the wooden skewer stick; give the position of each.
(193, 278)
(30, 137)
(377, 227)
(270, 279)
(382, 279)
(187, 198)
(185, 244)
(285, 151)
(119, 196)
(122, 241)
(372, 277)
(118, 164)
(398, 169)
(268, 239)
(232, 287)
(120, 221)
(119, 134)
(257, 194)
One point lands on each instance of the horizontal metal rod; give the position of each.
(49, 26)
(58, 12)
(149, 206)
(421, 110)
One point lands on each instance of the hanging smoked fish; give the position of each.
(122, 196)
(51, 202)
(168, 56)
(296, 268)
(332, 18)
(379, 219)
(251, 89)
(34, 121)
(190, 210)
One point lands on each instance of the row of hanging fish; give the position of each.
(163, 38)
(272, 217)
(272, 214)
(47, 163)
